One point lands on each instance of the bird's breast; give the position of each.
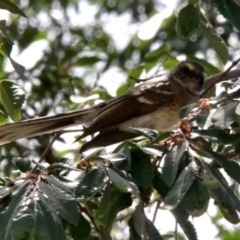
(162, 119)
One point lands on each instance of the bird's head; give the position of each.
(189, 75)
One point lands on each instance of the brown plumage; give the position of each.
(152, 104)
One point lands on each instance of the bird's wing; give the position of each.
(142, 99)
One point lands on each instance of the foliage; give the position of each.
(180, 170)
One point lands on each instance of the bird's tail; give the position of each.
(42, 125)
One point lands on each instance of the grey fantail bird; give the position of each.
(154, 104)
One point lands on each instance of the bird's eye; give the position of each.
(186, 70)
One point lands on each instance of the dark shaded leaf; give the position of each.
(59, 184)
(196, 200)
(48, 222)
(136, 223)
(171, 163)
(160, 185)
(141, 168)
(23, 164)
(181, 186)
(82, 230)
(11, 7)
(182, 216)
(151, 230)
(90, 184)
(121, 182)
(62, 202)
(179, 212)
(111, 204)
(5, 47)
(7, 216)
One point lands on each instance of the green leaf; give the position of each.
(4, 31)
(34, 221)
(5, 47)
(12, 209)
(12, 98)
(18, 67)
(208, 67)
(11, 7)
(135, 73)
(181, 186)
(82, 230)
(125, 87)
(216, 135)
(88, 60)
(224, 116)
(160, 185)
(214, 39)
(185, 110)
(121, 182)
(154, 57)
(231, 167)
(139, 223)
(182, 217)
(23, 164)
(141, 168)
(151, 230)
(60, 166)
(171, 163)
(111, 204)
(196, 200)
(187, 22)
(161, 137)
(136, 223)
(219, 193)
(149, 133)
(63, 203)
(48, 222)
(3, 116)
(59, 184)
(203, 119)
(230, 10)
(91, 183)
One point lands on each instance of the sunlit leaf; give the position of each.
(11, 97)
(215, 40)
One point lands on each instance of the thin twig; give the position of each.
(209, 83)
(82, 209)
(176, 231)
(156, 211)
(46, 150)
